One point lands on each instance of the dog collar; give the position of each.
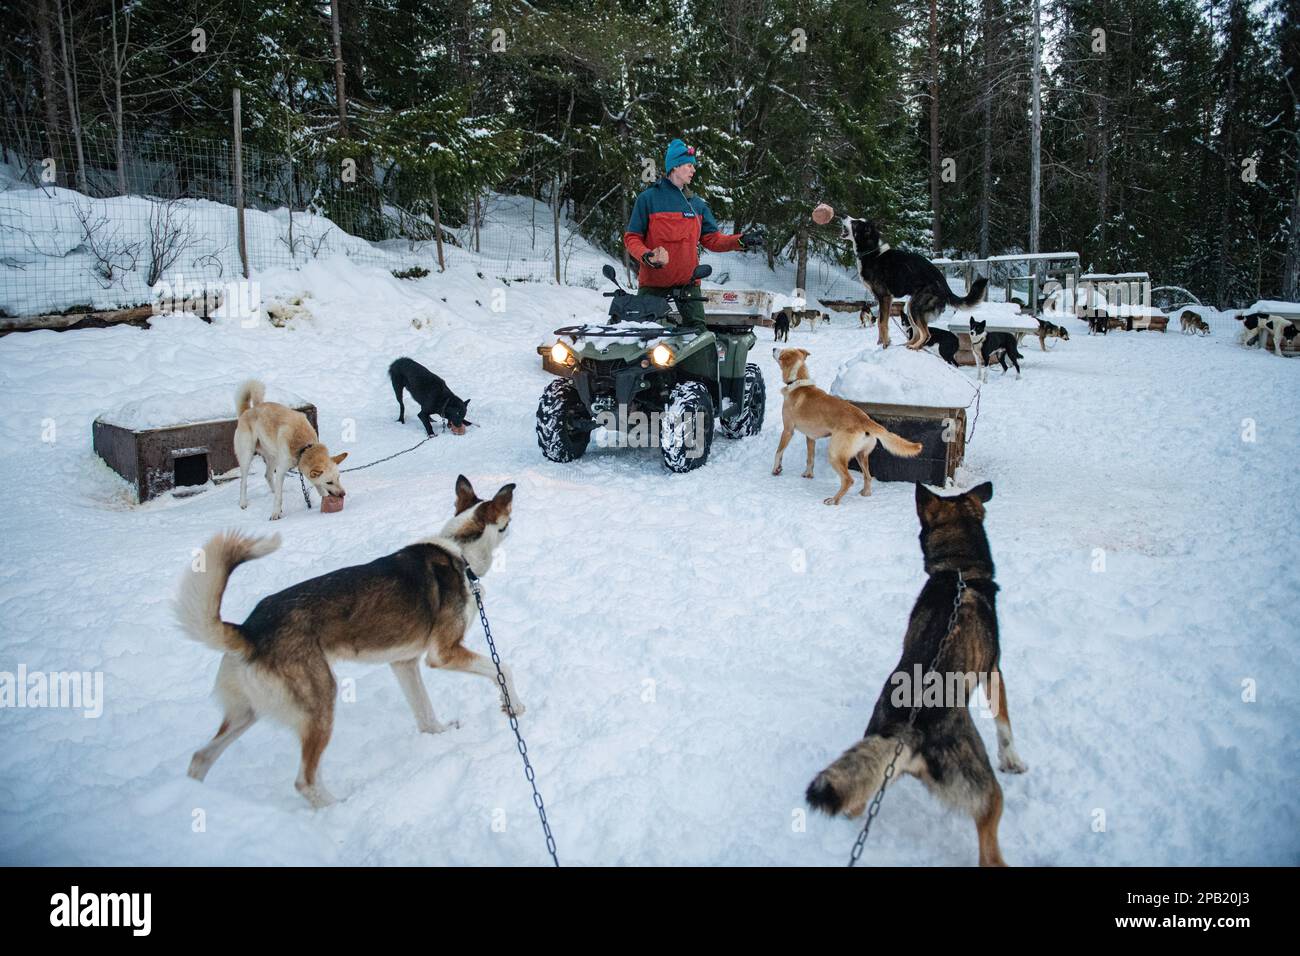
(797, 383)
(302, 451)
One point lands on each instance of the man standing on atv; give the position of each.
(668, 226)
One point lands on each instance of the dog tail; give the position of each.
(198, 607)
(250, 393)
(894, 444)
(853, 779)
(971, 298)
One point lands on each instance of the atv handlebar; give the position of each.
(676, 292)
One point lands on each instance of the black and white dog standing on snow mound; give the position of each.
(989, 346)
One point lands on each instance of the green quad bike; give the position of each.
(637, 370)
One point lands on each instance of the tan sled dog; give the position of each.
(816, 414)
(285, 439)
(410, 604)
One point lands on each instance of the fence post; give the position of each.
(239, 183)
(437, 228)
(555, 219)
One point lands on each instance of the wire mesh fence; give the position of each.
(95, 220)
(101, 221)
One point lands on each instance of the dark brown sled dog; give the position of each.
(942, 747)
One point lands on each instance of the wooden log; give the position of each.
(138, 316)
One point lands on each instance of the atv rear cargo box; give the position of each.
(737, 307)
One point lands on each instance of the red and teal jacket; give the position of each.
(665, 216)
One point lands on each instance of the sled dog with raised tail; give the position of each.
(410, 604)
(893, 273)
(942, 747)
(817, 414)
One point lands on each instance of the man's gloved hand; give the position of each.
(752, 239)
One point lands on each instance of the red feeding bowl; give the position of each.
(457, 429)
(331, 503)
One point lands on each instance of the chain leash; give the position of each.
(510, 710)
(874, 808)
(397, 454)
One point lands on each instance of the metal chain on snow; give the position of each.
(396, 454)
(510, 710)
(874, 808)
(303, 481)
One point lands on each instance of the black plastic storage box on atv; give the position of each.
(647, 381)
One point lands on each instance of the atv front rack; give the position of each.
(619, 331)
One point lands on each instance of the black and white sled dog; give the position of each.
(1256, 324)
(892, 272)
(1098, 322)
(432, 393)
(949, 344)
(989, 346)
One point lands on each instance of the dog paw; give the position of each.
(806, 474)
(776, 470)
(829, 501)
(441, 728)
(519, 708)
(317, 796)
(1009, 762)
(277, 516)
(243, 505)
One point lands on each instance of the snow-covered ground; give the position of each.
(691, 648)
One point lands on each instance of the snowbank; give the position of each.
(901, 376)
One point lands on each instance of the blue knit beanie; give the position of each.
(678, 154)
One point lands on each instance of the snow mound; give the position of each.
(183, 408)
(1004, 316)
(900, 376)
(1273, 305)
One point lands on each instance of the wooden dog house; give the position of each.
(916, 397)
(931, 426)
(174, 441)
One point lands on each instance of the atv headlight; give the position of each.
(561, 354)
(662, 355)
